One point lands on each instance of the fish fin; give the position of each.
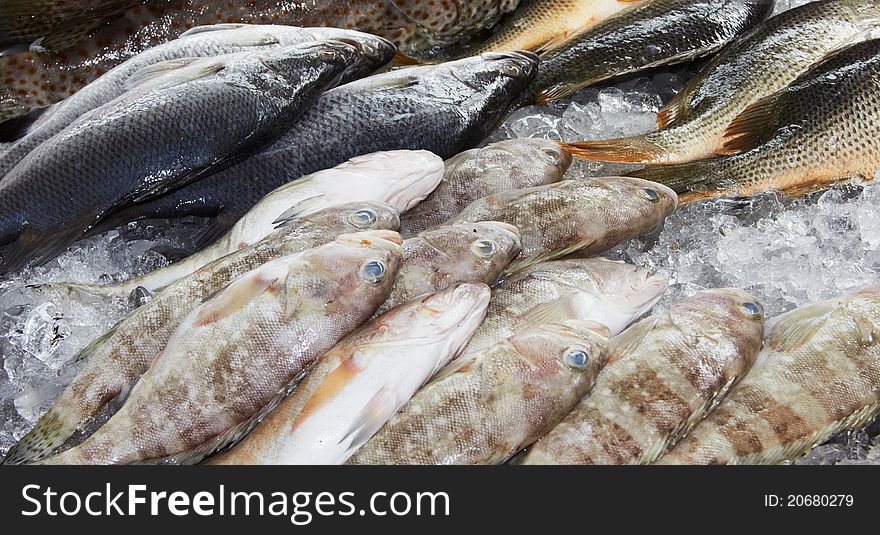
(752, 127)
(629, 340)
(462, 364)
(557, 92)
(555, 311)
(522, 263)
(555, 40)
(49, 434)
(238, 294)
(162, 68)
(674, 110)
(680, 177)
(635, 149)
(224, 26)
(217, 227)
(402, 59)
(381, 407)
(383, 83)
(797, 327)
(304, 207)
(17, 127)
(32, 248)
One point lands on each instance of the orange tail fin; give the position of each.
(626, 150)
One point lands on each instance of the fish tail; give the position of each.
(50, 433)
(693, 180)
(636, 149)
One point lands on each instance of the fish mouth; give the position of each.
(507, 228)
(647, 288)
(387, 240)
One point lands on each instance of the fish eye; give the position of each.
(576, 358)
(363, 218)
(753, 310)
(484, 248)
(373, 272)
(328, 55)
(650, 194)
(512, 70)
(553, 156)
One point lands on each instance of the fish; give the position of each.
(490, 404)
(818, 375)
(200, 42)
(614, 294)
(757, 64)
(117, 359)
(437, 259)
(355, 388)
(586, 216)
(445, 109)
(41, 76)
(664, 375)
(818, 131)
(240, 348)
(399, 178)
(156, 142)
(476, 173)
(658, 33)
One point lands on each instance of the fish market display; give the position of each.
(488, 405)
(666, 373)
(660, 32)
(585, 216)
(399, 178)
(819, 130)
(439, 258)
(364, 380)
(476, 173)
(444, 108)
(756, 65)
(818, 375)
(52, 73)
(205, 41)
(144, 146)
(117, 360)
(243, 346)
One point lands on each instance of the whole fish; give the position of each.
(611, 293)
(819, 130)
(660, 32)
(488, 405)
(118, 359)
(586, 216)
(242, 347)
(444, 108)
(476, 173)
(819, 375)
(50, 71)
(206, 41)
(755, 65)
(664, 375)
(399, 178)
(159, 141)
(437, 259)
(356, 387)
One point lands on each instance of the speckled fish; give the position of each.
(355, 388)
(476, 173)
(586, 216)
(611, 293)
(241, 348)
(540, 24)
(444, 108)
(139, 148)
(490, 404)
(437, 259)
(665, 374)
(167, 58)
(399, 178)
(819, 375)
(40, 77)
(756, 65)
(660, 32)
(118, 359)
(821, 129)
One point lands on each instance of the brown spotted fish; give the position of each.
(665, 374)
(819, 375)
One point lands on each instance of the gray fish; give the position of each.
(118, 359)
(476, 173)
(142, 147)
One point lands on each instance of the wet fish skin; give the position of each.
(665, 374)
(487, 405)
(661, 32)
(356, 387)
(586, 216)
(437, 259)
(611, 293)
(818, 375)
(819, 130)
(209, 41)
(443, 108)
(476, 173)
(118, 359)
(757, 64)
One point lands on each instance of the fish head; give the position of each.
(465, 251)
(529, 158)
(642, 202)
(354, 217)
(331, 59)
(374, 52)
